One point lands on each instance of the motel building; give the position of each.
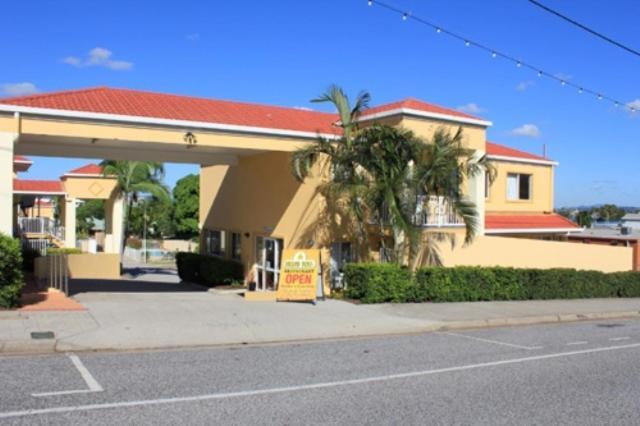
(251, 207)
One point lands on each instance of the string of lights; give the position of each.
(495, 54)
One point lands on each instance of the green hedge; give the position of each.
(63, 250)
(208, 270)
(11, 278)
(376, 283)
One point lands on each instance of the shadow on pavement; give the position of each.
(130, 286)
(136, 271)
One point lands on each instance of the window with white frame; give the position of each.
(518, 186)
(216, 242)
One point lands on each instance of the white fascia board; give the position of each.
(532, 230)
(22, 162)
(130, 119)
(523, 160)
(84, 175)
(425, 114)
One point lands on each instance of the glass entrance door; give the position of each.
(269, 254)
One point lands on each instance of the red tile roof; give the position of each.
(37, 186)
(505, 151)
(411, 103)
(21, 159)
(174, 107)
(88, 169)
(528, 221)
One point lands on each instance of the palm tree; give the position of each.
(135, 178)
(380, 171)
(440, 169)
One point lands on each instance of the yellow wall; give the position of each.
(541, 188)
(102, 266)
(259, 196)
(526, 253)
(474, 137)
(89, 188)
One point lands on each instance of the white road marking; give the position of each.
(579, 342)
(92, 383)
(312, 386)
(495, 342)
(617, 339)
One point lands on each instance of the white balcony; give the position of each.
(437, 212)
(40, 226)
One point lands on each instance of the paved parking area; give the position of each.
(525, 375)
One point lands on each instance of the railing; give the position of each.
(431, 211)
(435, 211)
(58, 276)
(38, 244)
(40, 225)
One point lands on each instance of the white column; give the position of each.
(70, 222)
(477, 195)
(7, 141)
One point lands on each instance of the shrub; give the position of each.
(377, 282)
(208, 270)
(63, 250)
(373, 283)
(215, 271)
(188, 266)
(11, 278)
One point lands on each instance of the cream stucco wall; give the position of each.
(102, 266)
(89, 188)
(526, 253)
(541, 188)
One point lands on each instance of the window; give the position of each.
(215, 243)
(518, 186)
(236, 240)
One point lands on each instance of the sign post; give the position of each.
(298, 275)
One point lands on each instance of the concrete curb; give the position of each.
(30, 347)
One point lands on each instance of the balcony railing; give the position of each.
(41, 226)
(431, 212)
(435, 211)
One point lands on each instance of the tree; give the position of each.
(86, 214)
(380, 172)
(186, 195)
(135, 178)
(584, 219)
(159, 218)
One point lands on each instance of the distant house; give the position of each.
(631, 220)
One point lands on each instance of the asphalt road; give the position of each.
(581, 373)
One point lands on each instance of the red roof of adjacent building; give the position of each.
(174, 107)
(38, 186)
(416, 104)
(21, 159)
(88, 169)
(528, 221)
(505, 151)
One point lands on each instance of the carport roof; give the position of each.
(150, 105)
(127, 102)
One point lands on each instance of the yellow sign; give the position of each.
(298, 275)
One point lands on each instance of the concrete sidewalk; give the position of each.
(129, 321)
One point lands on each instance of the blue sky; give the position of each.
(286, 52)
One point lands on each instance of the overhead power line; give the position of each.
(584, 27)
(407, 15)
